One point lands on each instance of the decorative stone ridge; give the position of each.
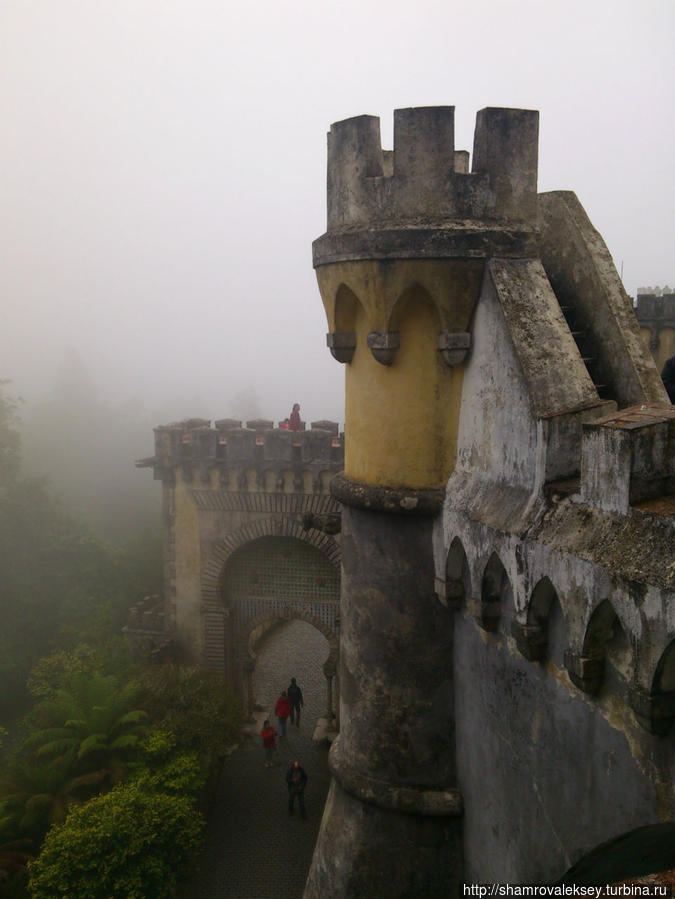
(400, 501)
(423, 800)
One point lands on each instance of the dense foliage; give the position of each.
(104, 746)
(129, 843)
(60, 583)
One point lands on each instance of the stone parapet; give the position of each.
(195, 444)
(420, 201)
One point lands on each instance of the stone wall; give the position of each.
(228, 488)
(656, 317)
(507, 425)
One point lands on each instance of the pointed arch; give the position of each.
(606, 638)
(604, 641)
(291, 613)
(457, 576)
(414, 296)
(664, 675)
(494, 585)
(655, 709)
(347, 306)
(544, 634)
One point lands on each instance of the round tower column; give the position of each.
(400, 271)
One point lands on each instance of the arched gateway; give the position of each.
(240, 546)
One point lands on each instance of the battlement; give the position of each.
(229, 445)
(655, 304)
(424, 180)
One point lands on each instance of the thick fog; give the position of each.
(163, 172)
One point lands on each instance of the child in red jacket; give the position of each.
(269, 741)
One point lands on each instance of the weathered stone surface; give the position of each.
(583, 277)
(386, 499)
(395, 748)
(656, 318)
(560, 590)
(539, 334)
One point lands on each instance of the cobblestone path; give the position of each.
(253, 848)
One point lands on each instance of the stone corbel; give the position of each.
(383, 345)
(530, 639)
(450, 593)
(654, 711)
(454, 346)
(586, 672)
(330, 523)
(489, 613)
(341, 345)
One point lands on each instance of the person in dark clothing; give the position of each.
(668, 377)
(296, 778)
(294, 694)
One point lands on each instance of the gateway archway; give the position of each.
(272, 579)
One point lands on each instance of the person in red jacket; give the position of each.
(294, 420)
(269, 740)
(282, 709)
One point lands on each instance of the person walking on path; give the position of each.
(269, 741)
(296, 778)
(295, 697)
(294, 419)
(282, 709)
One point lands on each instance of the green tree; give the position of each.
(162, 767)
(59, 670)
(129, 843)
(195, 705)
(10, 441)
(36, 793)
(95, 724)
(60, 584)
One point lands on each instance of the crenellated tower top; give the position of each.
(425, 185)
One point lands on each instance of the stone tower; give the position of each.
(415, 241)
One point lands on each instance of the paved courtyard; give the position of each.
(253, 848)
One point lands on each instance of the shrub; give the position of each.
(163, 768)
(195, 705)
(129, 843)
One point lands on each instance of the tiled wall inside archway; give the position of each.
(281, 567)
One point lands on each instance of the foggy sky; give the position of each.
(163, 169)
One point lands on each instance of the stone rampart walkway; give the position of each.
(253, 848)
